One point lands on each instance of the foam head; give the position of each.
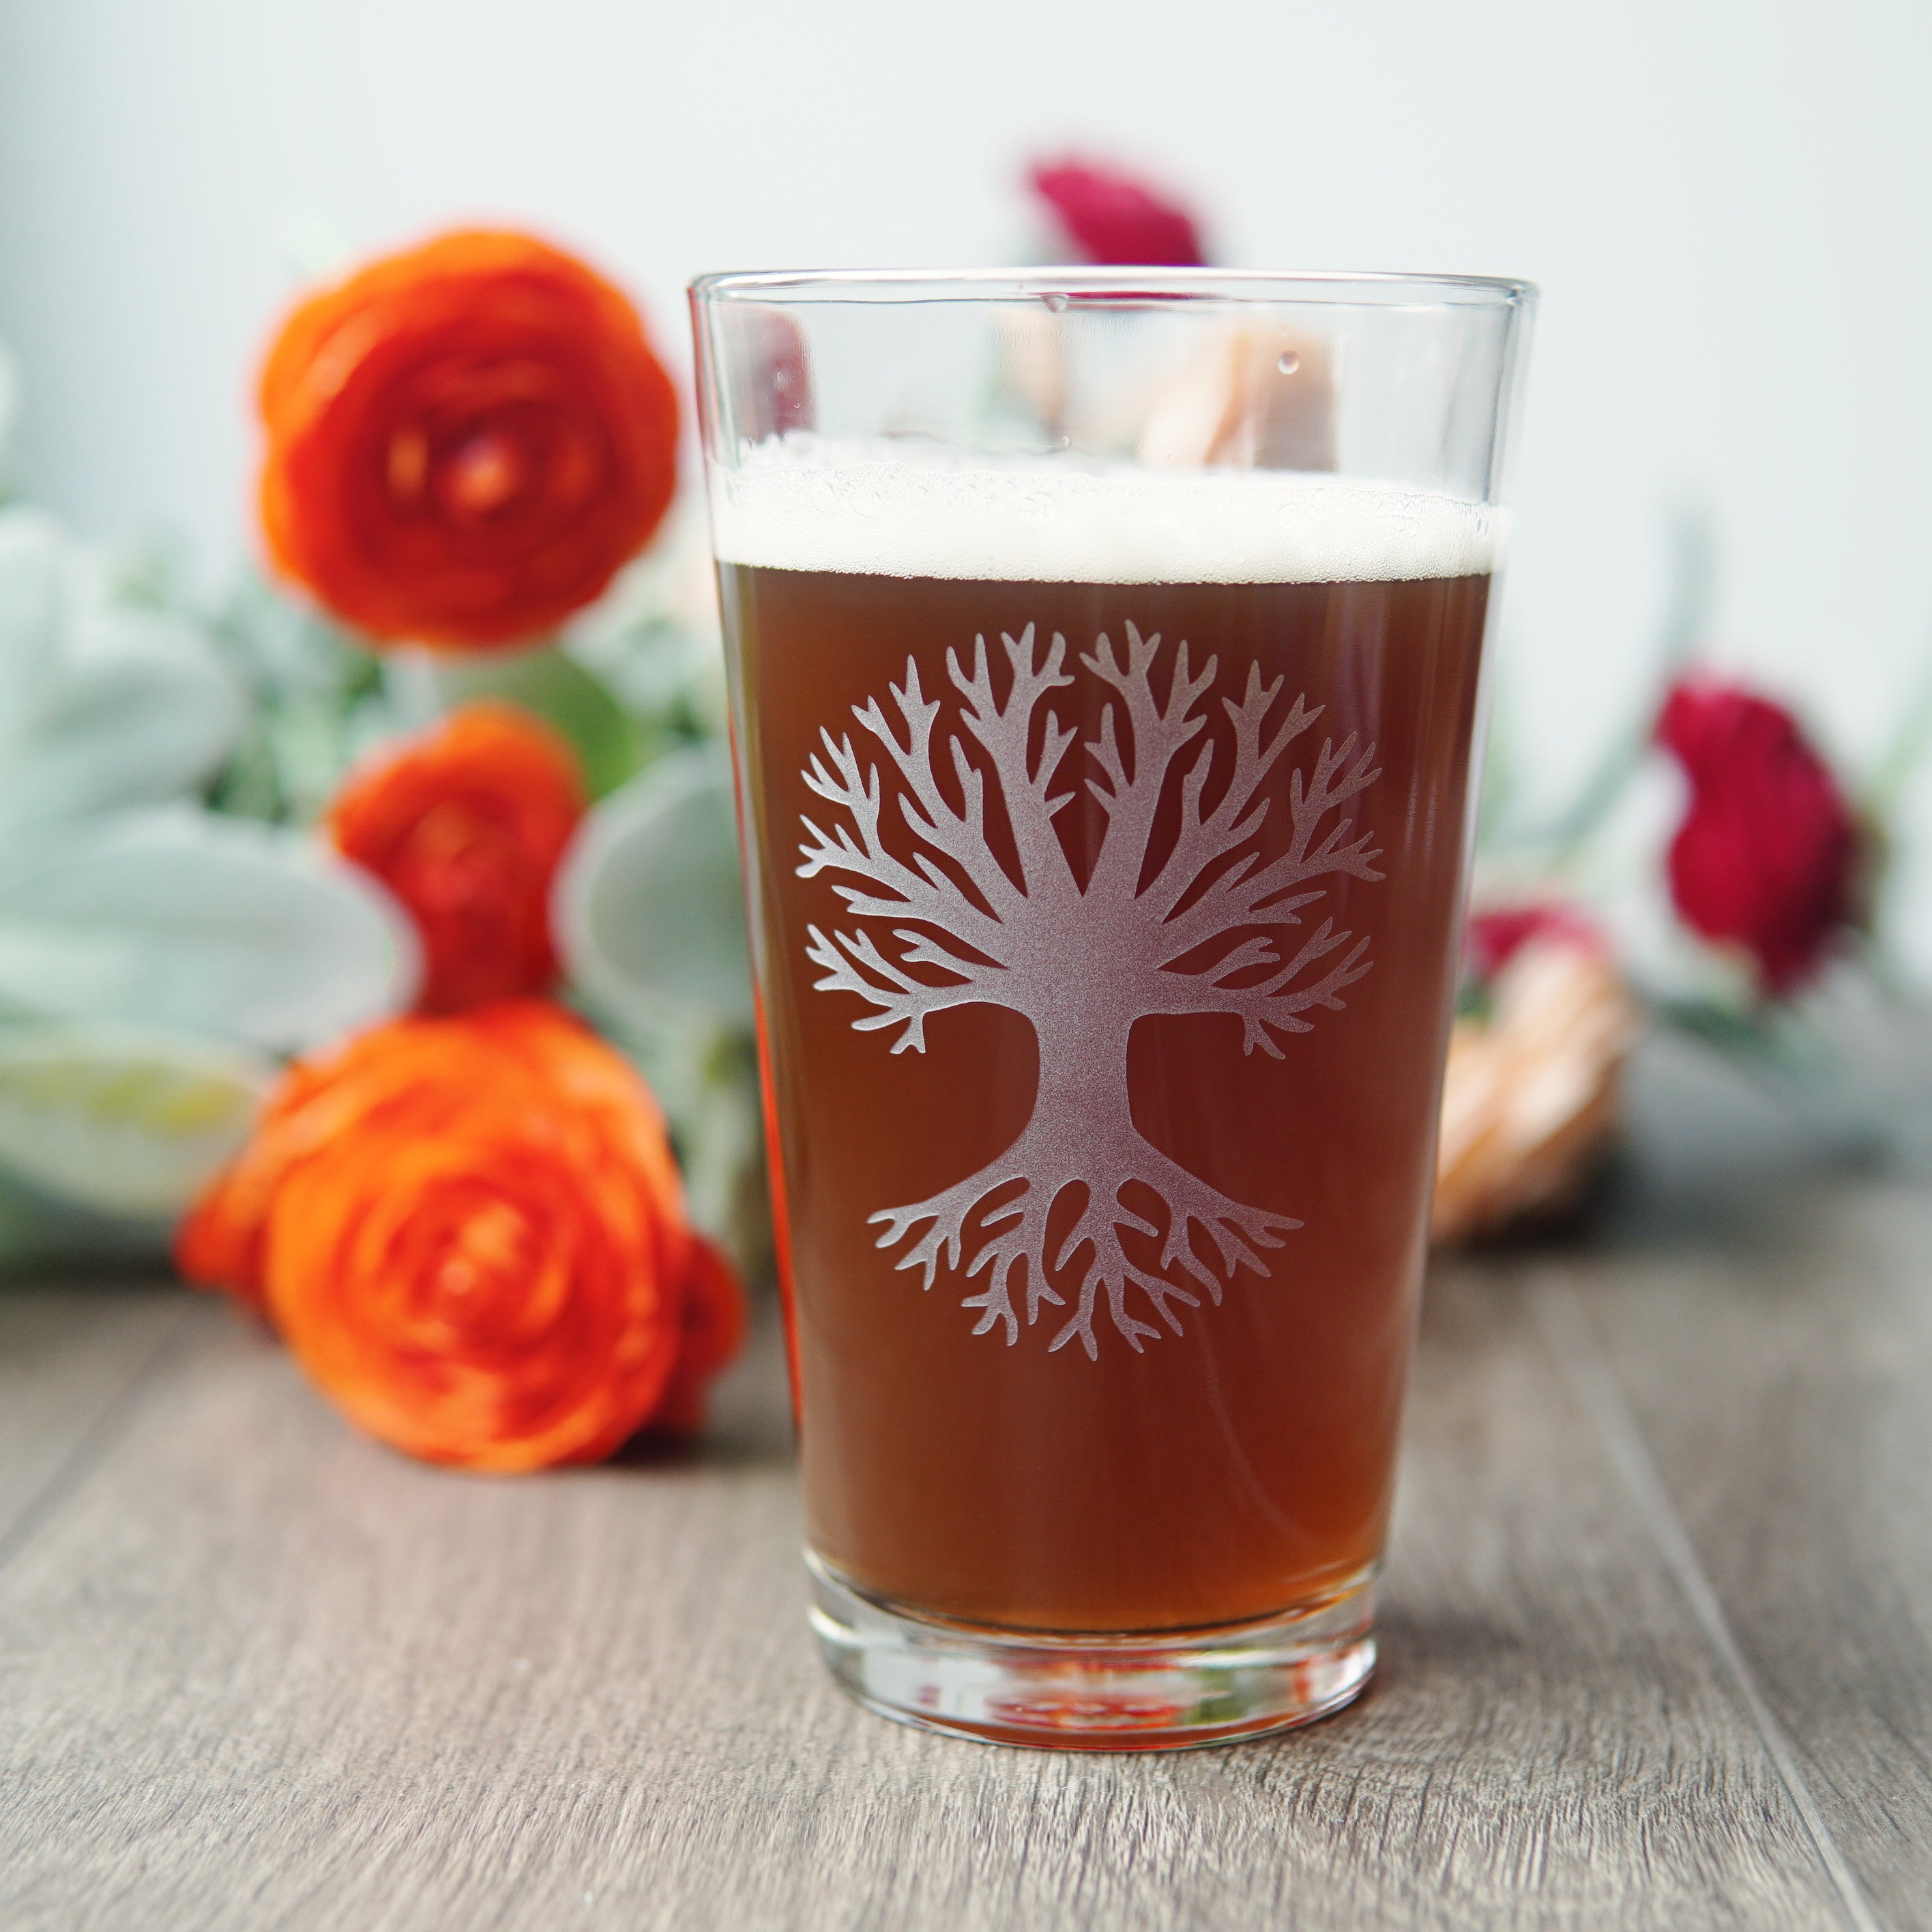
(882, 509)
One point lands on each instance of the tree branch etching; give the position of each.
(1006, 937)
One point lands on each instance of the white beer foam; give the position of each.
(881, 509)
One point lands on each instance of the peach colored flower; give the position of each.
(1531, 1093)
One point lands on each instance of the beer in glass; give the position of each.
(1106, 653)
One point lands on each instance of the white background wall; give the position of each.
(1725, 202)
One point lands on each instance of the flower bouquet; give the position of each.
(1755, 942)
(309, 911)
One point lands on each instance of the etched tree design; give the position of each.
(1083, 963)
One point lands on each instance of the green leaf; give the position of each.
(120, 1120)
(316, 703)
(178, 917)
(10, 407)
(424, 685)
(39, 1235)
(649, 915)
(104, 703)
(648, 910)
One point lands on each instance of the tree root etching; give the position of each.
(1013, 1240)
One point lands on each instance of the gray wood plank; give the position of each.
(1781, 1372)
(68, 1358)
(260, 1674)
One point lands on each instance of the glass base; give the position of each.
(1166, 1692)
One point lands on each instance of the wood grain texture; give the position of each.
(261, 1674)
(1783, 1381)
(68, 1360)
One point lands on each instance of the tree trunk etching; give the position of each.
(1008, 941)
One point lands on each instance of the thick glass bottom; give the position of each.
(1130, 1692)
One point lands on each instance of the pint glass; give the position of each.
(1106, 653)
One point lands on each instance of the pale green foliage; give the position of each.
(175, 917)
(649, 915)
(10, 408)
(125, 1121)
(168, 947)
(104, 703)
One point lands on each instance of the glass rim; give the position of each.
(1117, 285)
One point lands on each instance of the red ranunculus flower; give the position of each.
(464, 441)
(466, 825)
(1767, 856)
(1112, 217)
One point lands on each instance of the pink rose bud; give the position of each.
(1111, 216)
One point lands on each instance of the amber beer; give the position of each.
(1103, 757)
(1222, 1451)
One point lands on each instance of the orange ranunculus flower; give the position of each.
(466, 825)
(470, 1232)
(712, 1330)
(218, 1243)
(465, 440)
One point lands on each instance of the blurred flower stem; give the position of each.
(1898, 764)
(1687, 618)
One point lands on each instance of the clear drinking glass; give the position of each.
(1106, 653)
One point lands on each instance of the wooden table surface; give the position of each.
(1658, 1645)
